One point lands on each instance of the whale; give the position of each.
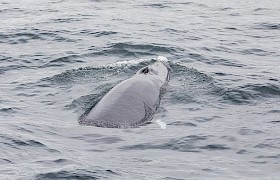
(134, 101)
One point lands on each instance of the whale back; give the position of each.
(132, 102)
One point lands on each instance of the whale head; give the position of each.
(159, 70)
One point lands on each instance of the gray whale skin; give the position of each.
(132, 102)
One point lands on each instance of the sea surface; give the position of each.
(218, 119)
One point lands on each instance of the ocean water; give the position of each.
(218, 119)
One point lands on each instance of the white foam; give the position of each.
(162, 58)
(161, 124)
(130, 62)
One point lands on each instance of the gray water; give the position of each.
(221, 107)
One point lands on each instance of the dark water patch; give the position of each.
(257, 52)
(266, 90)
(224, 9)
(24, 129)
(213, 147)
(267, 26)
(207, 170)
(266, 146)
(53, 150)
(105, 140)
(221, 74)
(65, 20)
(246, 131)
(18, 38)
(206, 119)
(9, 110)
(171, 178)
(26, 95)
(156, 5)
(82, 137)
(16, 66)
(235, 14)
(181, 3)
(259, 162)
(175, 31)
(269, 157)
(273, 79)
(242, 151)
(97, 33)
(229, 138)
(5, 161)
(17, 143)
(181, 123)
(56, 161)
(248, 93)
(185, 144)
(82, 174)
(236, 96)
(260, 9)
(274, 122)
(232, 28)
(11, 10)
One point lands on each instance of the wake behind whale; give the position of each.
(132, 102)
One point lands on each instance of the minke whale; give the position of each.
(132, 102)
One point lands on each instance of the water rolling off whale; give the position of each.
(133, 101)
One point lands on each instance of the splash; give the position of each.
(161, 124)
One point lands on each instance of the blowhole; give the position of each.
(145, 70)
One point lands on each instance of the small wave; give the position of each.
(5, 160)
(65, 20)
(135, 51)
(258, 52)
(181, 123)
(22, 36)
(184, 144)
(268, 26)
(16, 143)
(62, 61)
(266, 90)
(237, 96)
(156, 5)
(260, 9)
(78, 174)
(214, 60)
(9, 110)
(246, 131)
(97, 33)
(247, 93)
(18, 38)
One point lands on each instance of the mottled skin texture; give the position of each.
(132, 102)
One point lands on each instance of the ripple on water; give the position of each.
(185, 144)
(61, 61)
(18, 142)
(136, 50)
(91, 32)
(21, 36)
(78, 174)
(267, 26)
(8, 110)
